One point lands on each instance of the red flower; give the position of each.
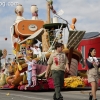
(46, 86)
(37, 87)
(51, 83)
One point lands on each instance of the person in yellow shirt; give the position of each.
(58, 64)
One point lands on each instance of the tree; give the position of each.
(0, 57)
(1, 53)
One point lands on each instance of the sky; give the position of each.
(87, 13)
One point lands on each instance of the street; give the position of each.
(23, 95)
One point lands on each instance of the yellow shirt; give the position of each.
(58, 61)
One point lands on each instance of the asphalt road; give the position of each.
(23, 95)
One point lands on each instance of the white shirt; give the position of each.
(94, 59)
(36, 51)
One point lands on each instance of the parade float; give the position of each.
(27, 34)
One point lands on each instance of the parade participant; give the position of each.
(34, 75)
(58, 63)
(36, 50)
(29, 71)
(92, 72)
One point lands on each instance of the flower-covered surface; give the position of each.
(50, 83)
(70, 82)
(41, 85)
(73, 82)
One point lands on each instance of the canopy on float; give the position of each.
(35, 35)
(74, 38)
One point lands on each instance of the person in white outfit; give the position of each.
(36, 50)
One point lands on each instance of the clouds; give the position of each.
(5, 24)
(87, 13)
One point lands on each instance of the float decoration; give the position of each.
(25, 32)
(73, 82)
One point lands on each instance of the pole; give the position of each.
(48, 13)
